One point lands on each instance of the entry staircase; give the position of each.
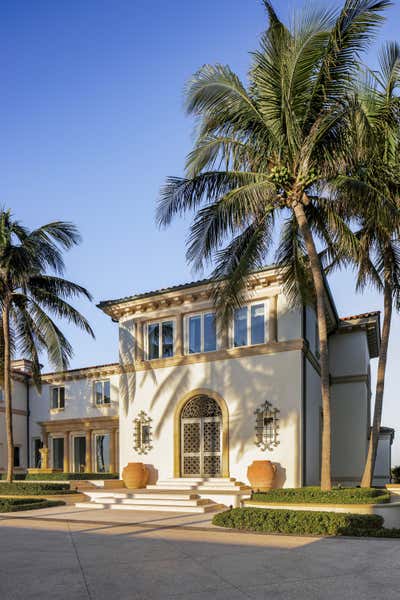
(183, 495)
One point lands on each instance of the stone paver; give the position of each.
(80, 560)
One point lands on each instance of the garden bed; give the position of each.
(18, 504)
(314, 495)
(70, 476)
(303, 522)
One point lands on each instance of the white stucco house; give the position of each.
(191, 397)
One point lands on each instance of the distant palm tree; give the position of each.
(28, 295)
(371, 196)
(269, 148)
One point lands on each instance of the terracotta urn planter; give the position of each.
(261, 475)
(135, 475)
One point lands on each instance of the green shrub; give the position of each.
(316, 495)
(299, 522)
(17, 476)
(396, 474)
(17, 504)
(23, 488)
(70, 476)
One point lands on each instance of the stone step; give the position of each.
(199, 509)
(161, 495)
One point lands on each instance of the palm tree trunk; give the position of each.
(7, 393)
(368, 474)
(319, 285)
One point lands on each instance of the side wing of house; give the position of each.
(351, 349)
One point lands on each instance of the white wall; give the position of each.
(383, 461)
(244, 383)
(289, 321)
(313, 407)
(349, 364)
(19, 397)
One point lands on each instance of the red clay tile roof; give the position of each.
(373, 313)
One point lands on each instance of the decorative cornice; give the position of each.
(359, 378)
(86, 372)
(173, 298)
(228, 353)
(15, 411)
(81, 423)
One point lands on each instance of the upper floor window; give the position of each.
(250, 325)
(201, 333)
(160, 340)
(58, 398)
(102, 393)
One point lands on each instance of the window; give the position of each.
(58, 453)
(102, 392)
(57, 398)
(102, 448)
(37, 459)
(79, 453)
(201, 333)
(160, 340)
(249, 325)
(1, 395)
(17, 456)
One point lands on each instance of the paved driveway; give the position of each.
(77, 560)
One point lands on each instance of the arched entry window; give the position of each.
(201, 438)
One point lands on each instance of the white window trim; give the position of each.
(160, 338)
(58, 409)
(187, 332)
(248, 305)
(100, 404)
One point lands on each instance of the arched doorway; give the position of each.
(201, 428)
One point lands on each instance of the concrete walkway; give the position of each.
(74, 560)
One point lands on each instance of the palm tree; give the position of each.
(370, 193)
(28, 296)
(270, 148)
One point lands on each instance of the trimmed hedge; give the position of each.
(396, 474)
(300, 522)
(70, 476)
(17, 476)
(316, 495)
(22, 488)
(17, 504)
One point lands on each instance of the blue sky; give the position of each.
(92, 122)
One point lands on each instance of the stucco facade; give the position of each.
(259, 374)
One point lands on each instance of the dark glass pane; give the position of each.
(17, 456)
(240, 327)
(58, 453)
(99, 392)
(106, 391)
(167, 339)
(257, 324)
(194, 334)
(54, 398)
(154, 336)
(61, 397)
(79, 454)
(103, 453)
(210, 333)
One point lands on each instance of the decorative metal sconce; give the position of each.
(267, 426)
(142, 433)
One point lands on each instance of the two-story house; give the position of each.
(192, 396)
